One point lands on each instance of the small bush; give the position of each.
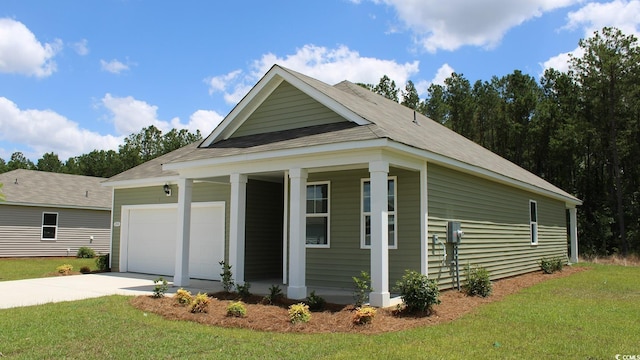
(200, 304)
(85, 253)
(236, 309)
(315, 302)
(418, 292)
(275, 294)
(243, 290)
(549, 266)
(65, 269)
(478, 282)
(227, 277)
(161, 287)
(363, 288)
(299, 313)
(183, 297)
(364, 315)
(85, 270)
(102, 262)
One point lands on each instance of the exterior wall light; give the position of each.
(167, 189)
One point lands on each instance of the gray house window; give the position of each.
(533, 221)
(318, 214)
(365, 238)
(49, 226)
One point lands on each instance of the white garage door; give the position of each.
(149, 239)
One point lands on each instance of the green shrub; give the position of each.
(102, 262)
(65, 269)
(299, 313)
(227, 276)
(161, 287)
(315, 302)
(236, 309)
(85, 253)
(275, 294)
(200, 303)
(418, 292)
(243, 290)
(364, 315)
(478, 282)
(183, 296)
(549, 266)
(85, 270)
(363, 288)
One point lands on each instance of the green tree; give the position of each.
(19, 161)
(50, 162)
(387, 88)
(434, 106)
(608, 74)
(3, 166)
(410, 97)
(460, 104)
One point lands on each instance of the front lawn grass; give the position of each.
(32, 268)
(589, 315)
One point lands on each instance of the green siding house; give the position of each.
(308, 184)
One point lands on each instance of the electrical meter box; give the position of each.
(454, 232)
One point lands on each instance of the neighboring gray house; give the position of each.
(51, 214)
(308, 184)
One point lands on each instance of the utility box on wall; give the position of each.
(454, 232)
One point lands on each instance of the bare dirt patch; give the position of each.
(338, 318)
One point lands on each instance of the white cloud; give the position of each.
(130, 115)
(622, 14)
(328, 65)
(114, 66)
(441, 75)
(22, 53)
(81, 47)
(449, 25)
(44, 131)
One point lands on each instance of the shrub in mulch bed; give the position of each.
(336, 318)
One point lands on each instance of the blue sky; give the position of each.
(81, 75)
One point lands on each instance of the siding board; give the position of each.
(495, 220)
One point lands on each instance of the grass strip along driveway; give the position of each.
(33, 268)
(590, 314)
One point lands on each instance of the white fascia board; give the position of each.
(57, 206)
(483, 173)
(261, 91)
(141, 182)
(245, 107)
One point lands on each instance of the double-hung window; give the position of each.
(49, 226)
(365, 238)
(533, 221)
(318, 214)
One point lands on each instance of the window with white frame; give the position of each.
(49, 226)
(318, 214)
(533, 221)
(365, 238)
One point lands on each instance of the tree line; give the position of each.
(137, 148)
(579, 130)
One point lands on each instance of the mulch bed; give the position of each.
(338, 318)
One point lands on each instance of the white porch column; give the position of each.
(238, 212)
(573, 234)
(379, 171)
(424, 221)
(181, 274)
(297, 288)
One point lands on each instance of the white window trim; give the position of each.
(327, 215)
(42, 226)
(394, 213)
(533, 225)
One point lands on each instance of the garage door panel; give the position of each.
(151, 244)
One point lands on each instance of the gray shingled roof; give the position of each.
(40, 188)
(388, 120)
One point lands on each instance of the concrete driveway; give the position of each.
(77, 287)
